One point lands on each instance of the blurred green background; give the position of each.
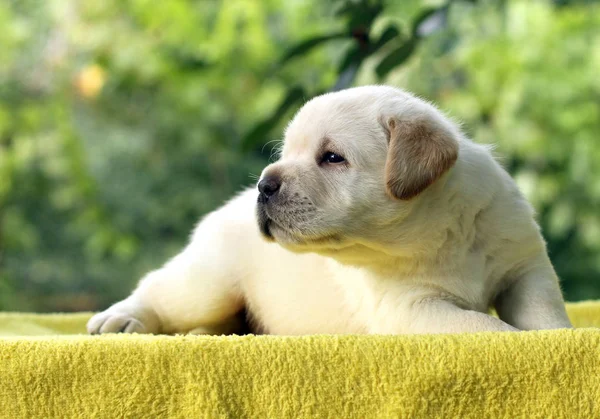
(123, 122)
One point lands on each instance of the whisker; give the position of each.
(276, 151)
(263, 147)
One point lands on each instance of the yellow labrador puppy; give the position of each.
(379, 217)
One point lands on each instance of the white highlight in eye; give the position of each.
(332, 158)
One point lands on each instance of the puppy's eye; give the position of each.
(332, 158)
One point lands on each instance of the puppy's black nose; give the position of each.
(269, 186)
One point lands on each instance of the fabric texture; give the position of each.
(49, 369)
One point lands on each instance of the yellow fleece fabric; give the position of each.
(50, 369)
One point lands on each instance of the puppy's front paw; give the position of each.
(124, 317)
(111, 321)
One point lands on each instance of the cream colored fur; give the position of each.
(348, 256)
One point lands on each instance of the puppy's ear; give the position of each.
(418, 154)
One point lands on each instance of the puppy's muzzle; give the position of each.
(268, 187)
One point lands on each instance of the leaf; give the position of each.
(306, 45)
(396, 57)
(352, 56)
(356, 55)
(347, 76)
(430, 21)
(363, 13)
(388, 34)
(349, 66)
(257, 135)
(186, 61)
(342, 7)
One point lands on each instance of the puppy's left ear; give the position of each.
(419, 153)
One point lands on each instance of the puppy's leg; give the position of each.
(534, 300)
(439, 316)
(197, 290)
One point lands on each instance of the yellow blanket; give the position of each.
(48, 370)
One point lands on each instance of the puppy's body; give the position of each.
(416, 230)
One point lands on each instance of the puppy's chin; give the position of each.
(299, 243)
(295, 241)
(272, 232)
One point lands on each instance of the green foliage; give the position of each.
(123, 122)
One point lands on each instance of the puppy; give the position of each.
(379, 217)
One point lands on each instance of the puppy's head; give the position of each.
(352, 167)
